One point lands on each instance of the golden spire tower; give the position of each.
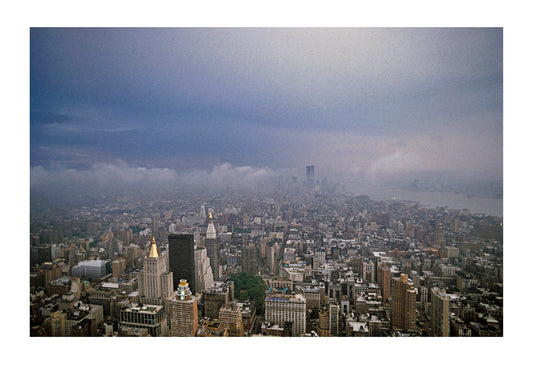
(155, 280)
(153, 249)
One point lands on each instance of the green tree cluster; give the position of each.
(250, 286)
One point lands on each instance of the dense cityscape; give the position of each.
(286, 189)
(304, 260)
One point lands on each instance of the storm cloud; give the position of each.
(243, 104)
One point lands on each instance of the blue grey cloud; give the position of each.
(346, 99)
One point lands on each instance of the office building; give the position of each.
(458, 327)
(211, 244)
(131, 254)
(323, 322)
(155, 225)
(230, 317)
(334, 320)
(183, 312)
(150, 317)
(440, 313)
(40, 254)
(440, 235)
(286, 309)
(248, 313)
(310, 173)
(118, 267)
(368, 271)
(272, 251)
(55, 325)
(116, 248)
(289, 254)
(384, 280)
(202, 270)
(82, 319)
(374, 326)
(56, 251)
(51, 272)
(311, 292)
(216, 297)
(451, 252)
(92, 269)
(155, 280)
(126, 236)
(181, 259)
(249, 259)
(403, 303)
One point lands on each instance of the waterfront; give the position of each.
(488, 206)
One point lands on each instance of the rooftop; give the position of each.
(145, 308)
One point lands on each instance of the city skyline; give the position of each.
(84, 137)
(245, 105)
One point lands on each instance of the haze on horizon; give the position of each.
(141, 107)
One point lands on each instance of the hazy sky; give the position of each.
(241, 103)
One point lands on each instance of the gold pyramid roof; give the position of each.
(153, 249)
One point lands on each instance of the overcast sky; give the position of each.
(240, 103)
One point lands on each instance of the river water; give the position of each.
(488, 206)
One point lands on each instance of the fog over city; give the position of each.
(119, 177)
(230, 108)
(258, 171)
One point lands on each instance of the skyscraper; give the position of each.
(202, 270)
(155, 224)
(216, 297)
(333, 320)
(440, 313)
(118, 266)
(403, 304)
(249, 259)
(183, 312)
(211, 244)
(310, 173)
(181, 258)
(155, 280)
(272, 251)
(384, 276)
(440, 235)
(286, 310)
(310, 176)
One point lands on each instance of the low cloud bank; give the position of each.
(121, 178)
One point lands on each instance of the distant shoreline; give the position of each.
(487, 206)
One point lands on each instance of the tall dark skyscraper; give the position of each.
(181, 258)
(155, 224)
(310, 176)
(310, 172)
(249, 259)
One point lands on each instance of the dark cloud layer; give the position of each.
(365, 101)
